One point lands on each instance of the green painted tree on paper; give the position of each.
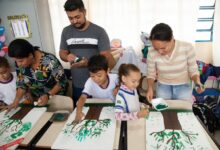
(87, 129)
(173, 136)
(175, 139)
(11, 129)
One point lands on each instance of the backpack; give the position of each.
(208, 112)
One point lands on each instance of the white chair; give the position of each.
(59, 102)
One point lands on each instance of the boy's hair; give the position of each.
(161, 32)
(72, 5)
(125, 69)
(4, 62)
(97, 63)
(20, 48)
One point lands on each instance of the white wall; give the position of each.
(39, 17)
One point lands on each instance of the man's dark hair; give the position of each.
(20, 48)
(72, 5)
(161, 32)
(97, 63)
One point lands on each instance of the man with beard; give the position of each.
(79, 41)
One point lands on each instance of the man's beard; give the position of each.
(81, 26)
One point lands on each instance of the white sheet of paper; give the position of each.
(189, 124)
(16, 131)
(104, 141)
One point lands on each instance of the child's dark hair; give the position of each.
(125, 69)
(4, 62)
(20, 48)
(72, 5)
(161, 32)
(97, 63)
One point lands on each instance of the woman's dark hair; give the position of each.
(97, 63)
(72, 5)
(4, 62)
(21, 48)
(125, 69)
(161, 32)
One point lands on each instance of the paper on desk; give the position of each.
(93, 134)
(12, 131)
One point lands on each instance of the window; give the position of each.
(204, 30)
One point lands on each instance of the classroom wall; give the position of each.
(204, 51)
(39, 17)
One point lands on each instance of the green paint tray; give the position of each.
(159, 104)
(59, 116)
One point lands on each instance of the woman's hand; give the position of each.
(42, 101)
(200, 88)
(149, 94)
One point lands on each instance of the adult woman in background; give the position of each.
(39, 72)
(173, 64)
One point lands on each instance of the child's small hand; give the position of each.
(79, 116)
(14, 105)
(143, 113)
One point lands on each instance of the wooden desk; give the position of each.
(136, 130)
(51, 134)
(49, 137)
(44, 118)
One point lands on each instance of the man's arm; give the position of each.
(111, 60)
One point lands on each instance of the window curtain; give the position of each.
(126, 19)
(216, 35)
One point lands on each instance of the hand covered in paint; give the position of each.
(79, 116)
(144, 112)
(14, 105)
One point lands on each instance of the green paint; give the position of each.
(59, 117)
(175, 139)
(161, 106)
(11, 129)
(87, 129)
(25, 127)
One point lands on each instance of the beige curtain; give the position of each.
(125, 19)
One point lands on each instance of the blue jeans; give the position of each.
(174, 92)
(76, 94)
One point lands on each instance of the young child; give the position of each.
(101, 84)
(7, 83)
(127, 106)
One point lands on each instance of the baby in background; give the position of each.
(127, 105)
